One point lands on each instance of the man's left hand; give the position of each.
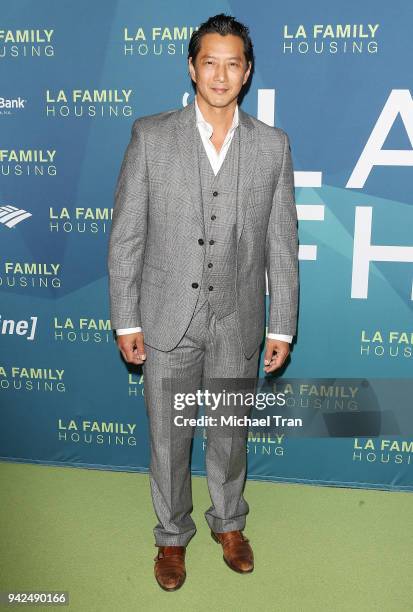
(276, 352)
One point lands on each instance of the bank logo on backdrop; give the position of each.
(10, 215)
(334, 39)
(26, 44)
(156, 40)
(9, 105)
(90, 103)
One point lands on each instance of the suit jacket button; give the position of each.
(211, 241)
(200, 241)
(195, 285)
(210, 287)
(213, 217)
(215, 193)
(210, 265)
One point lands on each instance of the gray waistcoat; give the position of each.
(220, 226)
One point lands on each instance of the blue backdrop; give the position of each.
(337, 79)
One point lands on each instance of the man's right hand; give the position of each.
(132, 348)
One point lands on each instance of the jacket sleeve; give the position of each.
(127, 239)
(281, 251)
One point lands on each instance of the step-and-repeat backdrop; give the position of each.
(337, 79)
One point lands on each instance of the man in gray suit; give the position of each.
(204, 205)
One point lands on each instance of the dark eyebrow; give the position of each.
(236, 57)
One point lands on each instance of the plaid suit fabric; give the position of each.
(220, 226)
(155, 263)
(209, 351)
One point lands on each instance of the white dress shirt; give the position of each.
(216, 159)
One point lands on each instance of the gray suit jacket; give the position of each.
(154, 255)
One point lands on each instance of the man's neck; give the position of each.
(220, 118)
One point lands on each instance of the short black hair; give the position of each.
(221, 24)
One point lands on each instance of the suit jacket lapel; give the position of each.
(248, 154)
(187, 147)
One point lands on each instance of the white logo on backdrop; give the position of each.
(11, 216)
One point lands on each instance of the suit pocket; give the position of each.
(153, 275)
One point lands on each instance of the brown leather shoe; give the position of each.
(170, 567)
(238, 553)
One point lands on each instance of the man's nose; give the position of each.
(220, 74)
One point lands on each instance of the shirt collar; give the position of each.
(207, 126)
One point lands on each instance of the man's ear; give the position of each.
(191, 69)
(248, 72)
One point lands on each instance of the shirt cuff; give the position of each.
(280, 337)
(128, 330)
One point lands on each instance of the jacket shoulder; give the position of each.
(155, 120)
(265, 130)
(270, 130)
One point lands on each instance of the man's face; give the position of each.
(220, 69)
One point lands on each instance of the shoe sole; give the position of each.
(234, 569)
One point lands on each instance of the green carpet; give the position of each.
(316, 548)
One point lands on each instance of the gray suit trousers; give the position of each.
(209, 349)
